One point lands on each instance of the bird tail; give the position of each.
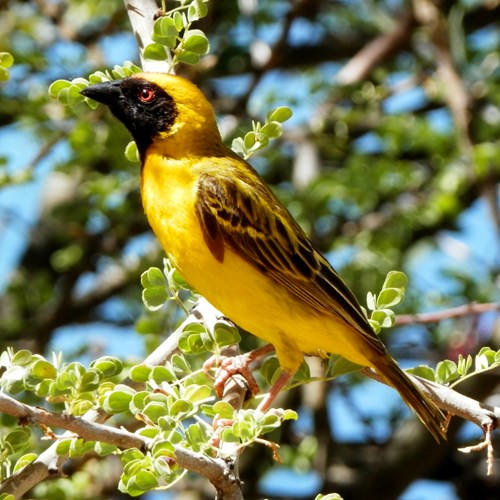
(430, 415)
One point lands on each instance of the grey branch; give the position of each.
(142, 15)
(90, 431)
(455, 312)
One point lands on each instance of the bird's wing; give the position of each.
(241, 213)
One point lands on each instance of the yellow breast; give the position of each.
(234, 286)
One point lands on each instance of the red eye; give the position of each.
(147, 94)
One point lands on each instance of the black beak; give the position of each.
(108, 93)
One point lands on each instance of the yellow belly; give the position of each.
(235, 287)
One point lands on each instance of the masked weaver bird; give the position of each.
(236, 244)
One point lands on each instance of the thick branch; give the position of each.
(90, 431)
(142, 15)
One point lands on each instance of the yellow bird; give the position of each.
(235, 243)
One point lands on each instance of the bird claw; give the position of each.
(229, 366)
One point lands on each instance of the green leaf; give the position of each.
(131, 455)
(109, 366)
(138, 402)
(281, 114)
(18, 439)
(464, 364)
(57, 87)
(6, 59)
(249, 140)
(395, 279)
(196, 434)
(140, 373)
(225, 334)
(118, 400)
(42, 370)
(165, 32)
(303, 373)
(188, 57)
(272, 130)
(446, 371)
(384, 317)
(131, 152)
(62, 447)
(154, 410)
(196, 11)
(90, 380)
(180, 365)
(162, 374)
(155, 292)
(290, 415)
(270, 369)
(153, 277)
(196, 42)
(389, 297)
(338, 365)
(80, 447)
(181, 407)
(180, 21)
(156, 52)
(25, 460)
(145, 480)
(163, 449)
(196, 393)
(423, 371)
(238, 146)
(43, 388)
(104, 449)
(371, 301)
(223, 410)
(22, 358)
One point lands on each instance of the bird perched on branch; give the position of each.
(235, 243)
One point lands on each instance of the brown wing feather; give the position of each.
(245, 216)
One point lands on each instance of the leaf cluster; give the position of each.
(451, 373)
(262, 133)
(174, 39)
(6, 61)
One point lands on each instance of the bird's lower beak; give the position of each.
(106, 93)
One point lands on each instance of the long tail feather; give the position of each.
(430, 415)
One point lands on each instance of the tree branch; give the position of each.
(359, 67)
(90, 431)
(449, 400)
(220, 472)
(142, 15)
(455, 312)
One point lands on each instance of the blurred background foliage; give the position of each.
(391, 161)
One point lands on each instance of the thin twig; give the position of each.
(359, 67)
(455, 312)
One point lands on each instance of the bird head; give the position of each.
(161, 109)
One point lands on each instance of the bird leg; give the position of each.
(236, 365)
(274, 391)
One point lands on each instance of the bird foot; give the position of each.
(227, 367)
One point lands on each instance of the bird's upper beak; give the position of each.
(108, 93)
